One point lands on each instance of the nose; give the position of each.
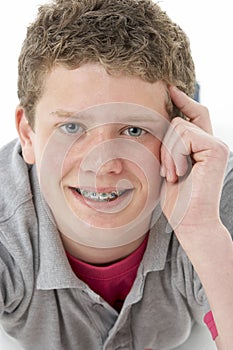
(113, 166)
(103, 156)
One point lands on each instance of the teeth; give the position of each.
(100, 196)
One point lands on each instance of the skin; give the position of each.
(197, 224)
(74, 95)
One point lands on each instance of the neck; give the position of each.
(100, 256)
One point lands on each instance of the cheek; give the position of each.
(70, 168)
(151, 179)
(154, 146)
(145, 167)
(53, 159)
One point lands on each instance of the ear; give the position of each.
(26, 135)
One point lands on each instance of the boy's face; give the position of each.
(96, 145)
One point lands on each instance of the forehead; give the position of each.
(90, 85)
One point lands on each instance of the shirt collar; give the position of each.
(54, 270)
(155, 256)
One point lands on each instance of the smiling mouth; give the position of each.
(101, 196)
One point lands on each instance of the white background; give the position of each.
(207, 23)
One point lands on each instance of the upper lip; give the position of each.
(101, 189)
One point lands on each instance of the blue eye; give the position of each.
(71, 128)
(134, 131)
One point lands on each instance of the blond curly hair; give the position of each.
(131, 37)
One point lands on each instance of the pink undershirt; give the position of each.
(113, 282)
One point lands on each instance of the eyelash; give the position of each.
(79, 129)
(142, 131)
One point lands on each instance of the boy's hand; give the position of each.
(193, 164)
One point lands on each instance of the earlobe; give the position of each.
(25, 133)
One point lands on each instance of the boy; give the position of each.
(116, 204)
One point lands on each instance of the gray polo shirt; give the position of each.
(45, 306)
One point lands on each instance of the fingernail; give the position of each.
(175, 88)
(170, 176)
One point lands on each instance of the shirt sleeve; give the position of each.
(190, 286)
(11, 285)
(188, 281)
(226, 203)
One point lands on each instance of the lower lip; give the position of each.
(115, 205)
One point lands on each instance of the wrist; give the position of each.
(202, 239)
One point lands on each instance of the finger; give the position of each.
(168, 168)
(196, 113)
(174, 151)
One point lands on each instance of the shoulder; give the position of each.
(226, 203)
(229, 168)
(18, 220)
(17, 212)
(14, 180)
(18, 228)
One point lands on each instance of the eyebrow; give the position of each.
(92, 117)
(61, 113)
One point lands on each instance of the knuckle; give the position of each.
(176, 121)
(204, 111)
(222, 150)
